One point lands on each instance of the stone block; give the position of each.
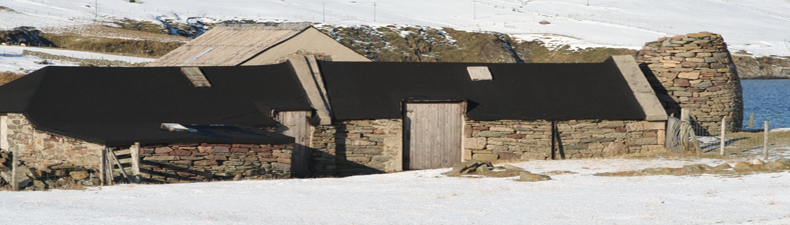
(644, 125)
(475, 143)
(161, 158)
(206, 163)
(689, 75)
(485, 157)
(490, 134)
(163, 150)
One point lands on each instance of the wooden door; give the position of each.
(294, 124)
(432, 135)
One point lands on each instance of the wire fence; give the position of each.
(761, 140)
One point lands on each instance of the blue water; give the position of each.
(768, 100)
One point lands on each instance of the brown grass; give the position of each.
(6, 77)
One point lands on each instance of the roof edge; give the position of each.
(642, 90)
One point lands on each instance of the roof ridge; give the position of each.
(264, 26)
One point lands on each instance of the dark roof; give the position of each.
(361, 90)
(119, 106)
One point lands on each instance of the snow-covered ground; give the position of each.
(12, 59)
(758, 27)
(427, 197)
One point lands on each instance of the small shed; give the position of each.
(257, 44)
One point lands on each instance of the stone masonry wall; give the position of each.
(203, 162)
(39, 149)
(697, 73)
(525, 140)
(359, 147)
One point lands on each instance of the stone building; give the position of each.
(695, 72)
(257, 44)
(340, 118)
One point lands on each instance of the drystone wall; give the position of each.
(92, 62)
(358, 147)
(39, 149)
(525, 140)
(191, 162)
(695, 72)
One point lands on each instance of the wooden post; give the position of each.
(765, 142)
(14, 165)
(723, 130)
(553, 140)
(108, 168)
(684, 115)
(135, 152)
(751, 120)
(102, 164)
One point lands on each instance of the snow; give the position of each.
(12, 59)
(427, 197)
(757, 27)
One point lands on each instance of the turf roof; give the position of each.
(544, 91)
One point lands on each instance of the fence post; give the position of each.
(765, 142)
(751, 120)
(14, 165)
(723, 130)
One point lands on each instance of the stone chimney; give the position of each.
(695, 72)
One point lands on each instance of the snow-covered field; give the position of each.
(427, 197)
(12, 59)
(758, 27)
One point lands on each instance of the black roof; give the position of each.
(119, 106)
(364, 90)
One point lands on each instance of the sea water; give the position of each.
(768, 100)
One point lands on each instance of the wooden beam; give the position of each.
(120, 167)
(14, 165)
(135, 152)
(102, 163)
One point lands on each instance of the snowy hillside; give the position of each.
(757, 27)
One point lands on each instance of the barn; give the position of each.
(257, 44)
(308, 117)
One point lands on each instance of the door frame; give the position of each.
(406, 145)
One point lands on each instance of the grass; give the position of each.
(748, 144)
(6, 77)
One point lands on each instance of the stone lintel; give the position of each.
(644, 94)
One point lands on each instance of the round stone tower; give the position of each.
(695, 72)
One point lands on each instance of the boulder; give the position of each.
(79, 175)
(531, 177)
(465, 167)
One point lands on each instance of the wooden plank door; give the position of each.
(294, 124)
(432, 135)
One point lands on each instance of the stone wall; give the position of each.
(359, 147)
(204, 162)
(39, 149)
(525, 140)
(696, 72)
(81, 61)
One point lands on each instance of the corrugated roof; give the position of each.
(230, 44)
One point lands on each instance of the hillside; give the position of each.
(484, 30)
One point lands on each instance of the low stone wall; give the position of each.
(39, 149)
(696, 72)
(94, 62)
(359, 147)
(204, 162)
(525, 140)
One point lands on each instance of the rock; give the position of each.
(513, 168)
(742, 167)
(721, 167)
(465, 167)
(39, 185)
(773, 165)
(25, 182)
(657, 171)
(79, 175)
(756, 162)
(692, 169)
(531, 177)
